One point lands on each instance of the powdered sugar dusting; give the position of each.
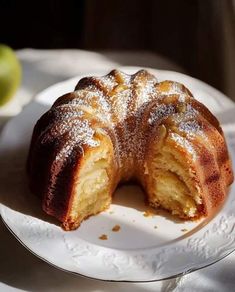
(81, 133)
(160, 112)
(120, 102)
(108, 81)
(190, 110)
(190, 127)
(176, 89)
(144, 93)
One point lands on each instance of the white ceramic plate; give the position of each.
(145, 248)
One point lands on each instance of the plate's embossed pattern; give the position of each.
(214, 242)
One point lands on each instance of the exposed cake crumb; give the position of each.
(159, 112)
(103, 237)
(116, 228)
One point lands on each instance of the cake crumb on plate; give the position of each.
(116, 228)
(184, 230)
(103, 237)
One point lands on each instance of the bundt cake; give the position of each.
(122, 127)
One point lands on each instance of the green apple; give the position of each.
(10, 74)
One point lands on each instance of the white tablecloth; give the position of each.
(20, 270)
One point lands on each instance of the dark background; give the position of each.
(196, 34)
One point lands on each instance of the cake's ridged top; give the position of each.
(129, 108)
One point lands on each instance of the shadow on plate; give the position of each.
(132, 196)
